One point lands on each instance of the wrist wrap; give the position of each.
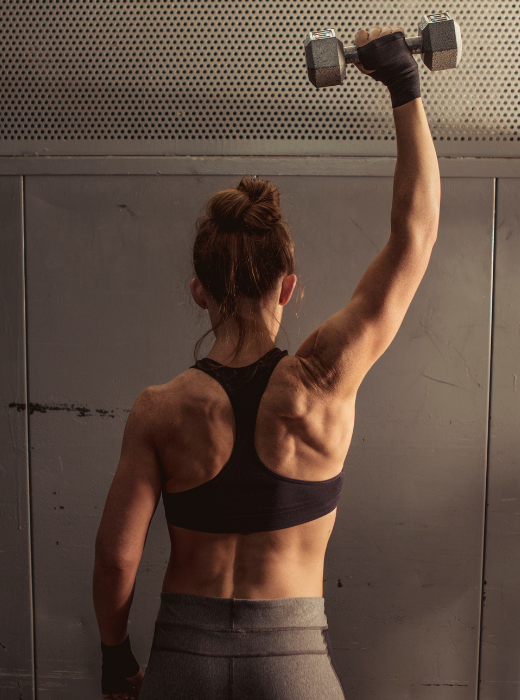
(118, 664)
(394, 66)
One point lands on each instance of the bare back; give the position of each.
(304, 428)
(300, 433)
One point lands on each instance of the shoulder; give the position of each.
(194, 391)
(150, 400)
(185, 385)
(143, 412)
(168, 401)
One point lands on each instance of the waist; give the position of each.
(239, 626)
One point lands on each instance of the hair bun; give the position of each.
(253, 204)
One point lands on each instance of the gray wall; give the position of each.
(501, 612)
(16, 611)
(109, 313)
(115, 130)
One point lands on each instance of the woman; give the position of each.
(242, 609)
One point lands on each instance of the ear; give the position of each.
(197, 291)
(288, 285)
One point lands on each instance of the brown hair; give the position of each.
(242, 248)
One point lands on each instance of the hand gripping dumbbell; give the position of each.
(439, 43)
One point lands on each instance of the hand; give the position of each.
(363, 37)
(136, 681)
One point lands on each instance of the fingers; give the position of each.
(374, 33)
(137, 680)
(363, 36)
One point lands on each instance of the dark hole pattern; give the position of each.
(128, 70)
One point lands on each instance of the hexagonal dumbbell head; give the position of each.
(441, 41)
(326, 63)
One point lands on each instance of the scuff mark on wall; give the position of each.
(451, 685)
(124, 206)
(441, 381)
(82, 411)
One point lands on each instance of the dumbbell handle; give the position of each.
(414, 44)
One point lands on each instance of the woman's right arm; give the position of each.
(339, 353)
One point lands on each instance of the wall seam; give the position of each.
(28, 450)
(289, 165)
(488, 429)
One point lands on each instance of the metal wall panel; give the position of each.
(351, 166)
(16, 621)
(403, 572)
(212, 78)
(500, 669)
(110, 313)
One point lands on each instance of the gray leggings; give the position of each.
(239, 649)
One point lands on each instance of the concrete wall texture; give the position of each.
(421, 574)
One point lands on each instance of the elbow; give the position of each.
(419, 221)
(413, 231)
(417, 217)
(433, 222)
(113, 564)
(430, 233)
(433, 228)
(108, 557)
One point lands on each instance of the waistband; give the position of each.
(240, 627)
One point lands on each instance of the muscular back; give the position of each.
(302, 432)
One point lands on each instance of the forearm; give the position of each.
(417, 189)
(113, 592)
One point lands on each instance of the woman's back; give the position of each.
(300, 433)
(242, 612)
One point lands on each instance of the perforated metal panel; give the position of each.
(110, 77)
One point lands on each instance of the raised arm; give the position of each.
(340, 352)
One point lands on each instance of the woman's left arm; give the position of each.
(129, 508)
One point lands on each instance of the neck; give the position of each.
(251, 351)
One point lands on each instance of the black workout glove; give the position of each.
(118, 664)
(395, 66)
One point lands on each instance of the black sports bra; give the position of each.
(247, 496)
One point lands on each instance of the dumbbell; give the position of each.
(439, 43)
